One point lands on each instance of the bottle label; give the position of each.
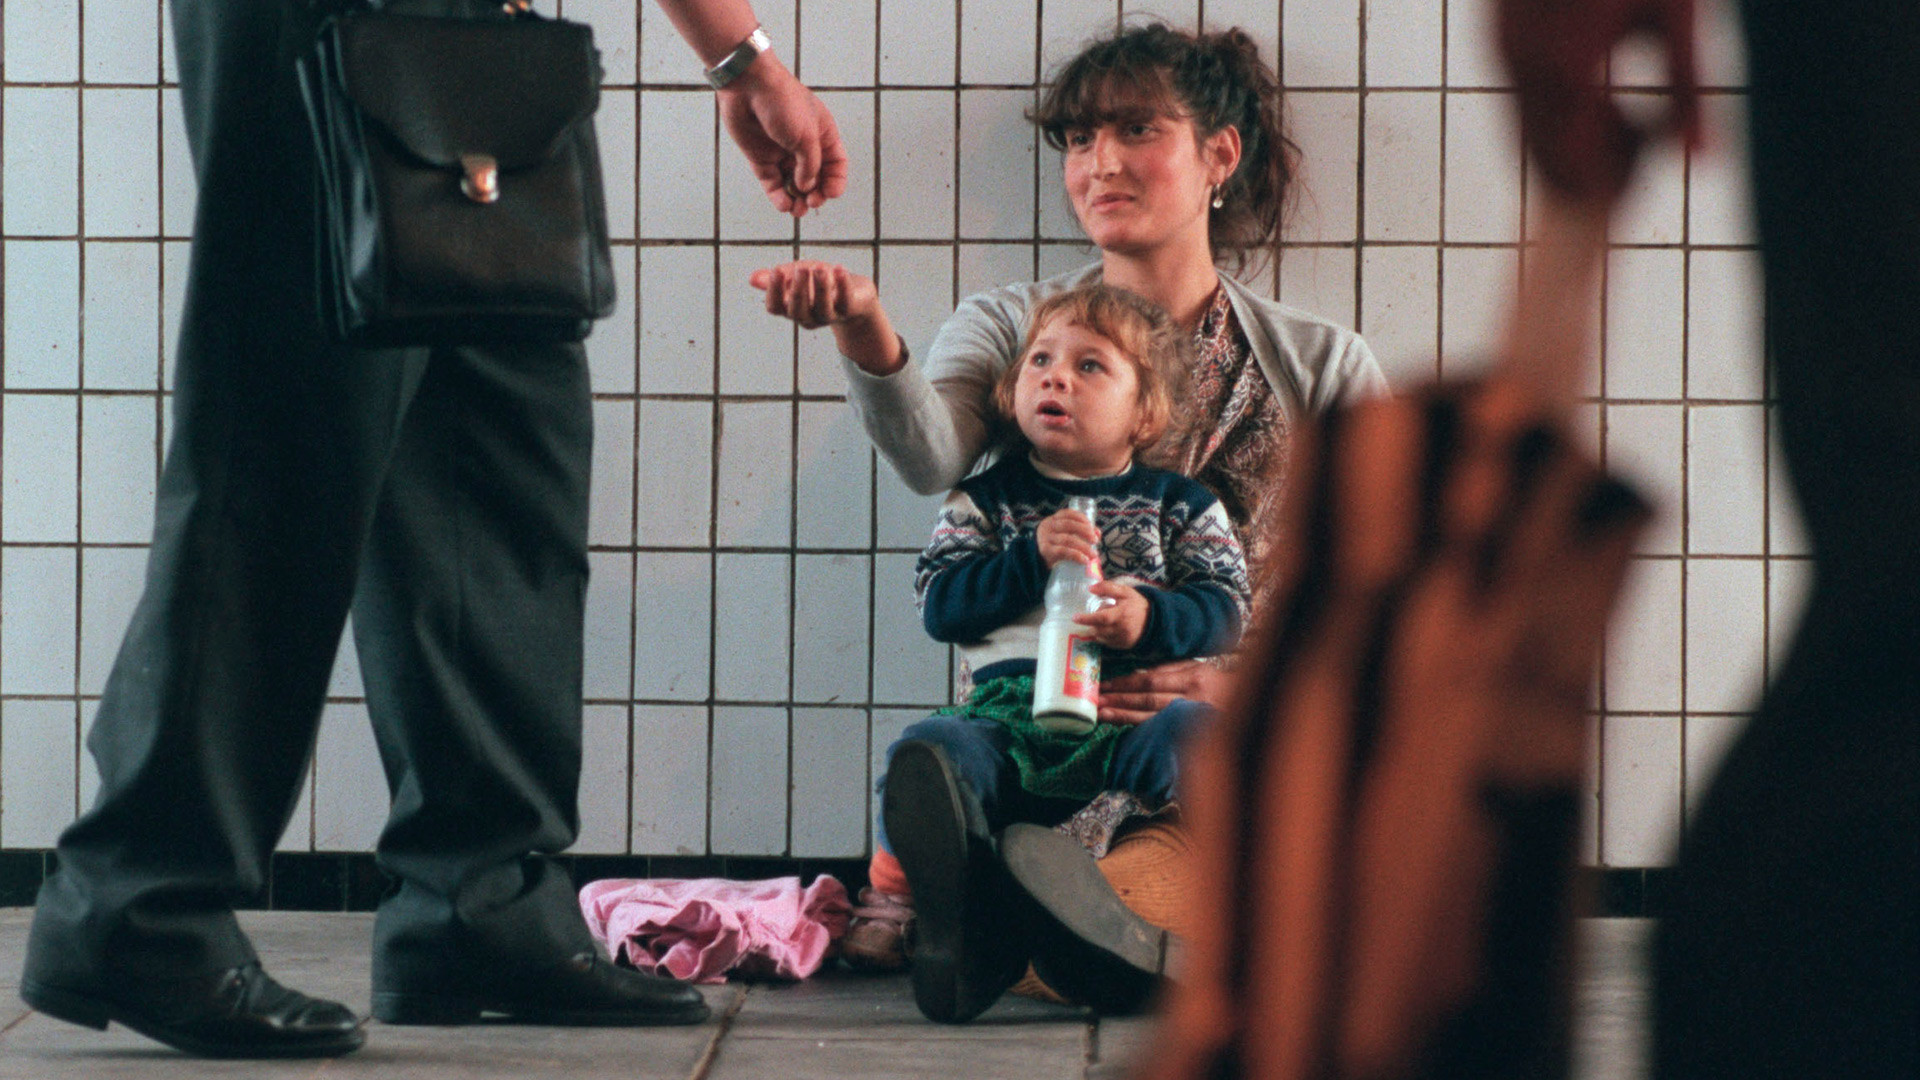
(1083, 668)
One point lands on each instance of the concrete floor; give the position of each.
(833, 1027)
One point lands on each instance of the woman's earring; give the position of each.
(1219, 200)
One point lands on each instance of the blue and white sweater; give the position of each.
(981, 583)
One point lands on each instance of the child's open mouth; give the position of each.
(1051, 413)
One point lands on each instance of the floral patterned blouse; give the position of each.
(1230, 432)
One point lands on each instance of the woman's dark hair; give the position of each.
(1215, 79)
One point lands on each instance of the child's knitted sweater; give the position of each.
(981, 582)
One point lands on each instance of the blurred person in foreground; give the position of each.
(1403, 911)
(1788, 947)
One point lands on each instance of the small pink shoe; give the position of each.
(876, 940)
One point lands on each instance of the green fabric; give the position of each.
(1052, 764)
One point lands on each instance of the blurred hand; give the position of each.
(1557, 51)
(816, 294)
(787, 134)
(1067, 534)
(1135, 697)
(1119, 624)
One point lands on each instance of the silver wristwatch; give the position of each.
(735, 63)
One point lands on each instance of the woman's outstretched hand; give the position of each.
(1135, 697)
(816, 294)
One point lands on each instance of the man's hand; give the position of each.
(1067, 534)
(1120, 624)
(787, 134)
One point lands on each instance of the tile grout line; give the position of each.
(638, 315)
(79, 399)
(1440, 224)
(792, 551)
(1603, 713)
(1685, 540)
(5, 267)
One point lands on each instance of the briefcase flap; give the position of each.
(444, 88)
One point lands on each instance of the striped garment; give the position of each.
(1386, 814)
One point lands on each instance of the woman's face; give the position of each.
(1139, 185)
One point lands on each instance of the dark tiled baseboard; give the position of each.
(20, 875)
(1631, 892)
(349, 881)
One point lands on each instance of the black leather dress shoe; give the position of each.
(1088, 945)
(237, 1013)
(970, 920)
(581, 991)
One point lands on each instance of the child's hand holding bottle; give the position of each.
(1121, 620)
(1067, 534)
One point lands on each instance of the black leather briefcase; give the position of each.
(459, 184)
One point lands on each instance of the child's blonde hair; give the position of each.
(1144, 333)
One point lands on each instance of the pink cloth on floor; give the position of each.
(700, 929)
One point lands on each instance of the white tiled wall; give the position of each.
(751, 642)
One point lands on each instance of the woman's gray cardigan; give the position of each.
(933, 420)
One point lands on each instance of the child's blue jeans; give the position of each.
(1146, 763)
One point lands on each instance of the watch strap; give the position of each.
(735, 63)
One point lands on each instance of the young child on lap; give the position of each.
(1090, 389)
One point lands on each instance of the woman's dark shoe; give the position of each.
(970, 924)
(1088, 945)
(584, 990)
(237, 1013)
